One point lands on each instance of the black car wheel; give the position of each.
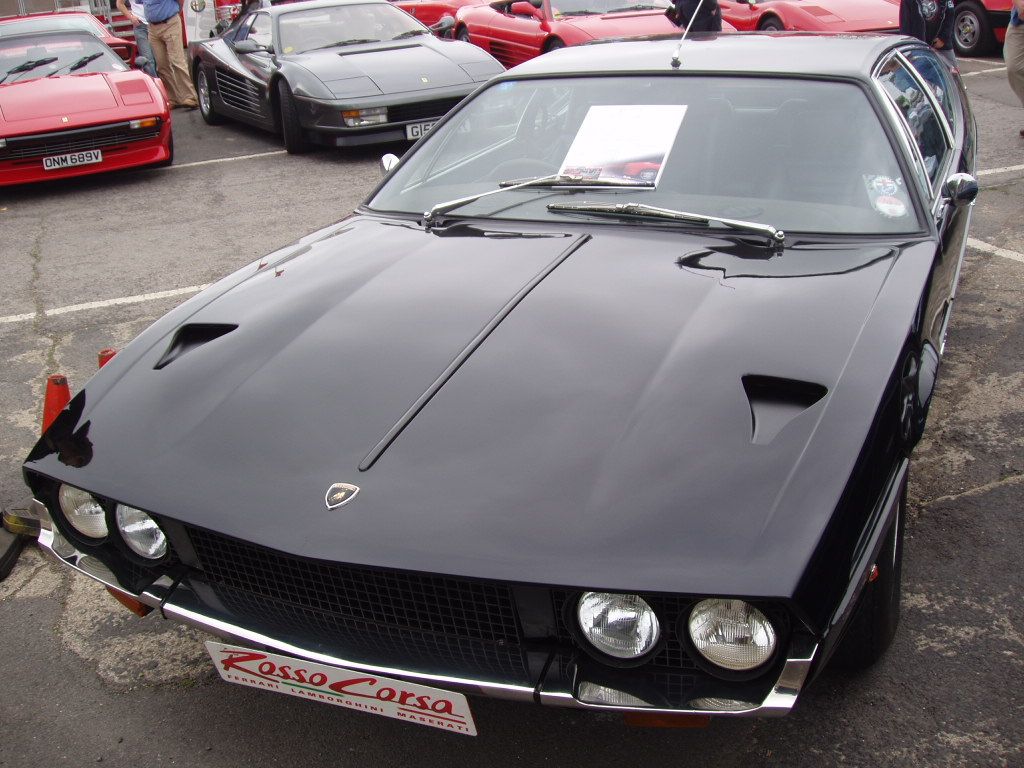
(462, 34)
(873, 625)
(772, 24)
(972, 31)
(553, 44)
(210, 116)
(295, 140)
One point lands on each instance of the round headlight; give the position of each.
(732, 634)
(82, 511)
(623, 626)
(141, 533)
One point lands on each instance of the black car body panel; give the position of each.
(532, 409)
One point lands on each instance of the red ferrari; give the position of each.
(513, 31)
(432, 11)
(69, 107)
(820, 16)
(65, 22)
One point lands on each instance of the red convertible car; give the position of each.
(513, 31)
(821, 16)
(980, 25)
(67, 21)
(69, 107)
(432, 11)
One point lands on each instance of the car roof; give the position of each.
(796, 53)
(277, 10)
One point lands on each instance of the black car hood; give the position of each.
(598, 430)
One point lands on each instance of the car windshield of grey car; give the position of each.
(308, 30)
(801, 155)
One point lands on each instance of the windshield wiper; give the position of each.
(554, 180)
(353, 41)
(411, 33)
(78, 63)
(775, 236)
(26, 66)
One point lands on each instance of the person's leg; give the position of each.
(184, 91)
(145, 49)
(163, 66)
(1013, 53)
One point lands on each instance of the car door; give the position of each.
(257, 68)
(935, 116)
(739, 14)
(514, 37)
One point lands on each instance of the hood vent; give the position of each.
(191, 337)
(775, 402)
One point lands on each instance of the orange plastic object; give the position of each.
(644, 720)
(130, 603)
(105, 355)
(58, 394)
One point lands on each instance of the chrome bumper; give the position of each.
(180, 601)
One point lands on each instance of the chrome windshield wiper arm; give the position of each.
(775, 236)
(552, 180)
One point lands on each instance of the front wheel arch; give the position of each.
(771, 23)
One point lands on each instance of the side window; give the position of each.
(925, 127)
(260, 31)
(239, 28)
(938, 77)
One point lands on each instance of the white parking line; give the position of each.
(982, 72)
(140, 298)
(980, 245)
(1004, 169)
(227, 159)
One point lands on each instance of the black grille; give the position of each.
(78, 140)
(421, 110)
(384, 615)
(238, 92)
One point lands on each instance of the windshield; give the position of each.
(801, 155)
(32, 56)
(302, 31)
(591, 7)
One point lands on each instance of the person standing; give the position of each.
(706, 15)
(1013, 51)
(137, 16)
(169, 47)
(930, 21)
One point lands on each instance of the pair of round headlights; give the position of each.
(86, 515)
(731, 634)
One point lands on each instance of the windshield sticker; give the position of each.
(885, 194)
(624, 142)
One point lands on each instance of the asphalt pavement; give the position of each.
(89, 263)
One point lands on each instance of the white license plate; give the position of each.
(415, 130)
(87, 157)
(363, 691)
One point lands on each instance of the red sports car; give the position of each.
(432, 11)
(980, 26)
(67, 21)
(513, 31)
(820, 16)
(69, 106)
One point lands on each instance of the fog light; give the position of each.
(141, 533)
(83, 512)
(354, 118)
(149, 122)
(592, 693)
(623, 626)
(3, 143)
(732, 634)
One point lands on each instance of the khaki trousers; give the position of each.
(168, 47)
(1013, 53)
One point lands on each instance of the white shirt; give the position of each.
(138, 9)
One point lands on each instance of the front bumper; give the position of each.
(559, 680)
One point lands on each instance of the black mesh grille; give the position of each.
(63, 142)
(421, 110)
(383, 615)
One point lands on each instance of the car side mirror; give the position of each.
(251, 46)
(523, 8)
(387, 162)
(445, 24)
(960, 189)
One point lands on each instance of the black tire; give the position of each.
(772, 24)
(972, 30)
(463, 35)
(205, 97)
(295, 140)
(553, 44)
(872, 627)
